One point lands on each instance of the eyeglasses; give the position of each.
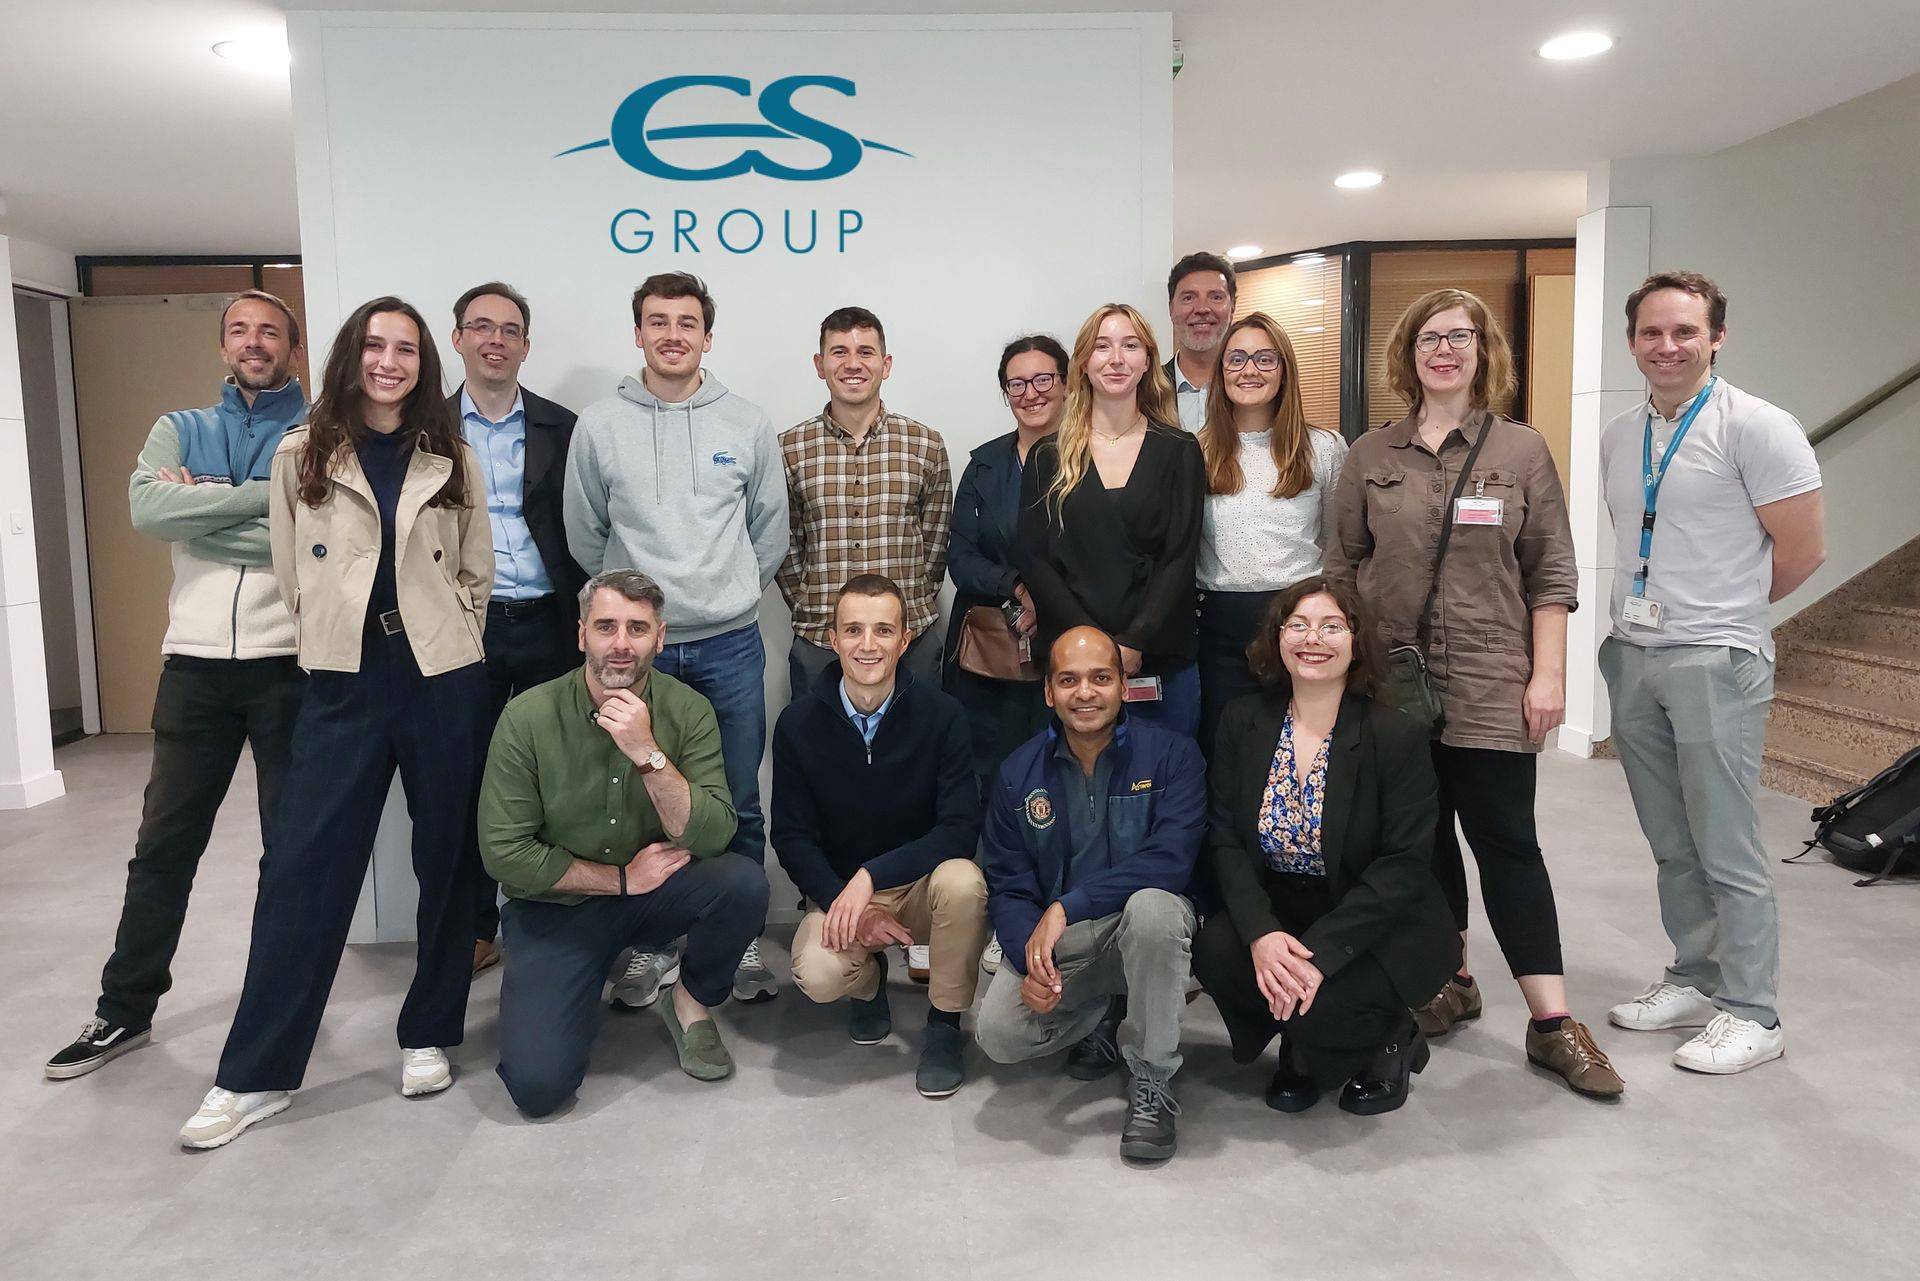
(1266, 361)
(487, 329)
(1298, 629)
(1042, 383)
(1458, 339)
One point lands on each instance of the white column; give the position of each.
(1612, 253)
(27, 775)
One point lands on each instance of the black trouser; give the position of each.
(1491, 792)
(203, 710)
(529, 642)
(1228, 621)
(1355, 1014)
(1000, 714)
(558, 957)
(355, 727)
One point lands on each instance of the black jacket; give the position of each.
(549, 432)
(986, 508)
(1376, 834)
(899, 810)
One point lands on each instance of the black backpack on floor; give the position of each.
(1876, 827)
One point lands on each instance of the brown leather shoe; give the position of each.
(1455, 1003)
(1569, 1052)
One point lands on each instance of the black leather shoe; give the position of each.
(1383, 1086)
(871, 1022)
(1098, 1052)
(1291, 1090)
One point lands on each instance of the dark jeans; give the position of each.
(729, 670)
(1001, 715)
(1491, 793)
(203, 711)
(1228, 621)
(354, 729)
(1178, 708)
(558, 956)
(528, 643)
(806, 660)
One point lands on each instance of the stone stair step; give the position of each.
(1844, 717)
(1881, 622)
(1883, 670)
(1824, 770)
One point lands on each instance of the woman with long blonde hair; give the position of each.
(1110, 513)
(1270, 482)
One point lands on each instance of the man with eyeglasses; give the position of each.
(521, 441)
(1201, 292)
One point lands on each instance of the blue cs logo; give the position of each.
(633, 141)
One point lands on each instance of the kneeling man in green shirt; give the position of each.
(605, 816)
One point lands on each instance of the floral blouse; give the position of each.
(1290, 810)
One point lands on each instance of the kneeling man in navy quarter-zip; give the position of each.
(875, 816)
(1092, 830)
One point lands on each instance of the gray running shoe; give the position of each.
(752, 980)
(637, 983)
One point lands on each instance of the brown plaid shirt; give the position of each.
(875, 506)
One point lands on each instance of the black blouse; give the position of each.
(1120, 559)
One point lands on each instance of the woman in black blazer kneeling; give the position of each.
(1320, 843)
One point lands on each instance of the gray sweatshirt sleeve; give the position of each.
(584, 504)
(177, 513)
(767, 503)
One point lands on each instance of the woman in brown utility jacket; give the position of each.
(1498, 638)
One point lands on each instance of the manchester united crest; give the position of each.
(1039, 809)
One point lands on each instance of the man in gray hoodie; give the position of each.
(679, 478)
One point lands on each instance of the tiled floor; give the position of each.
(819, 1160)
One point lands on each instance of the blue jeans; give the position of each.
(1178, 708)
(730, 671)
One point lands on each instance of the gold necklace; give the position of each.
(1114, 440)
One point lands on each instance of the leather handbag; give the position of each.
(989, 648)
(1410, 683)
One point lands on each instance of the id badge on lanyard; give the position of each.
(1639, 610)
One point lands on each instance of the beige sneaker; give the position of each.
(424, 1071)
(224, 1114)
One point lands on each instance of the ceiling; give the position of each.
(121, 133)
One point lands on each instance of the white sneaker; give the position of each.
(990, 959)
(920, 963)
(1663, 1005)
(637, 985)
(424, 1071)
(1731, 1045)
(224, 1114)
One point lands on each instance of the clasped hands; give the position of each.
(1284, 969)
(853, 922)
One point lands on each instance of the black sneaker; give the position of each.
(871, 1022)
(942, 1069)
(1098, 1052)
(1149, 1132)
(98, 1042)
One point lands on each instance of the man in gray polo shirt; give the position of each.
(1715, 497)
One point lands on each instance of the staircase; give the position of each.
(1846, 694)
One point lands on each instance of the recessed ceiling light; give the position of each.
(1313, 302)
(1243, 251)
(256, 53)
(1358, 179)
(1576, 44)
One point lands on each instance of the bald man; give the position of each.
(1092, 830)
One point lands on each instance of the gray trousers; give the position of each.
(1688, 725)
(1142, 952)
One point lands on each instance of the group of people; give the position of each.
(1217, 697)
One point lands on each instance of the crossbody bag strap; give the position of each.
(1423, 629)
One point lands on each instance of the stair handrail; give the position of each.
(1861, 407)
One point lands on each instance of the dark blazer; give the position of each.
(1376, 834)
(549, 432)
(986, 509)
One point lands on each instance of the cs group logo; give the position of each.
(640, 145)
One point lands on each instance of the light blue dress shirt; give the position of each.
(868, 723)
(518, 571)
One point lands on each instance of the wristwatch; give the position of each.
(656, 761)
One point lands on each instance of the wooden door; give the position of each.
(1550, 364)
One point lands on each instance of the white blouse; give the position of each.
(1254, 542)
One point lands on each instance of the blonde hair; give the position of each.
(1153, 396)
(1292, 435)
(1492, 378)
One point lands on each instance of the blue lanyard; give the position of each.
(1650, 480)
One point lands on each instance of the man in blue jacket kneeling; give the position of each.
(1092, 829)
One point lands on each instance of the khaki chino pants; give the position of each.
(945, 909)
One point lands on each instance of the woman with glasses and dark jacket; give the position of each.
(1270, 482)
(1319, 839)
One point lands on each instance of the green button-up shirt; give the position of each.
(557, 788)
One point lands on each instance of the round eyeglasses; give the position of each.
(1017, 387)
(1458, 339)
(1332, 630)
(1265, 361)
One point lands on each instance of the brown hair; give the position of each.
(1363, 677)
(1292, 437)
(1202, 261)
(675, 284)
(338, 417)
(1152, 395)
(493, 289)
(844, 320)
(1492, 378)
(875, 585)
(261, 295)
(1687, 282)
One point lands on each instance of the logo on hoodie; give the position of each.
(632, 138)
(721, 458)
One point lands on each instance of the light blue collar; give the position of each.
(868, 723)
(469, 410)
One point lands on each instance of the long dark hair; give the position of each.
(1363, 677)
(338, 417)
